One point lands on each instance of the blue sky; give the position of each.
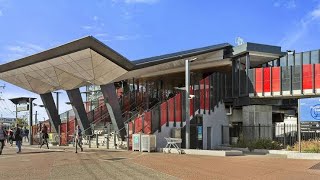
(144, 28)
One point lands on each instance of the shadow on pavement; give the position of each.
(39, 152)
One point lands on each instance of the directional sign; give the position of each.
(309, 109)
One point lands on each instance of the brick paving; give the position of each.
(63, 163)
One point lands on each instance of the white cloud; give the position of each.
(19, 50)
(101, 35)
(95, 18)
(87, 27)
(135, 1)
(1, 13)
(302, 28)
(289, 4)
(141, 1)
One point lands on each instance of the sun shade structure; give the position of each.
(88, 61)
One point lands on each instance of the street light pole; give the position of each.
(187, 89)
(187, 86)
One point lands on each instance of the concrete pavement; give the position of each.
(63, 163)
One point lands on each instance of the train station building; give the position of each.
(231, 87)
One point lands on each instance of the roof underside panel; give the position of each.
(65, 72)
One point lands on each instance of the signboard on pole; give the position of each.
(22, 107)
(309, 109)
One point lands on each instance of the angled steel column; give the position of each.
(113, 106)
(79, 110)
(51, 109)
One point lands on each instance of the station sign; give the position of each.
(22, 107)
(309, 109)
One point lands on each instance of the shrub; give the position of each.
(310, 146)
(259, 144)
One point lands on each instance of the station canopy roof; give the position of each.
(88, 61)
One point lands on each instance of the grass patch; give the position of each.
(310, 146)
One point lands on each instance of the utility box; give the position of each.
(136, 142)
(148, 143)
(176, 133)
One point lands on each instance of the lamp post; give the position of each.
(187, 86)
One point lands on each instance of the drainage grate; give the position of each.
(114, 159)
(315, 167)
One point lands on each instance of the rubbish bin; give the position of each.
(148, 143)
(136, 142)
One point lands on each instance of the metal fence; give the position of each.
(286, 134)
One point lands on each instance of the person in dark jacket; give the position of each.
(10, 136)
(18, 138)
(79, 138)
(45, 136)
(3, 136)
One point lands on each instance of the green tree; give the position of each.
(22, 121)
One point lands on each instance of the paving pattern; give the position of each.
(63, 163)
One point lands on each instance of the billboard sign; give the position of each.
(7, 120)
(309, 109)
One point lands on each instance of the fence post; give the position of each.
(97, 140)
(108, 135)
(284, 134)
(222, 135)
(114, 140)
(259, 130)
(128, 137)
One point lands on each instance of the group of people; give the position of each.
(11, 135)
(17, 134)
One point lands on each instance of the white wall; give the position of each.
(215, 120)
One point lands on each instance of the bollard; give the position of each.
(128, 135)
(89, 141)
(97, 143)
(114, 139)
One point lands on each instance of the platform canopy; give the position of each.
(88, 61)
(76, 64)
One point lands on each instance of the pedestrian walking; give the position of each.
(45, 136)
(3, 136)
(79, 139)
(26, 134)
(10, 137)
(18, 138)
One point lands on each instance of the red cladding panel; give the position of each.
(266, 82)
(178, 107)
(171, 109)
(307, 76)
(317, 76)
(207, 91)
(201, 89)
(163, 108)
(138, 125)
(276, 83)
(147, 123)
(259, 80)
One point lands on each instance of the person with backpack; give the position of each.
(18, 138)
(45, 136)
(3, 136)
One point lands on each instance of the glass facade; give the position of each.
(314, 57)
(306, 57)
(297, 60)
(283, 61)
(290, 60)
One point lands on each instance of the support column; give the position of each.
(112, 103)
(51, 109)
(79, 110)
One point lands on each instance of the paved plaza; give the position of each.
(63, 163)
